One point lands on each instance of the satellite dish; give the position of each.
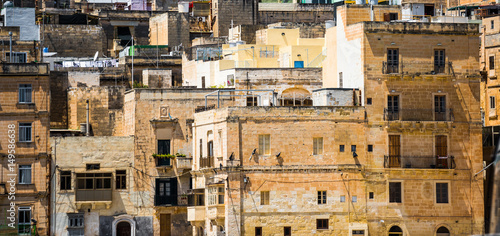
(95, 56)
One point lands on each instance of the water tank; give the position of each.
(360, 2)
(8, 4)
(183, 7)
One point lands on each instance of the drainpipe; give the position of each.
(10, 55)
(87, 123)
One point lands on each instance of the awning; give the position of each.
(463, 7)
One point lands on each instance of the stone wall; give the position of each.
(171, 28)
(157, 78)
(74, 40)
(59, 100)
(240, 12)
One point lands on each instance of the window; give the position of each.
(341, 148)
(264, 197)
(395, 230)
(24, 174)
(394, 151)
(251, 101)
(370, 195)
(341, 80)
(258, 231)
(321, 197)
(354, 198)
(65, 180)
(163, 148)
(392, 61)
(492, 102)
(25, 93)
(75, 224)
(370, 148)
(93, 186)
(492, 62)
(264, 144)
(166, 192)
(393, 107)
(441, 192)
(321, 223)
(393, 16)
(24, 132)
(368, 101)
(18, 57)
(203, 82)
(317, 146)
(287, 231)
(24, 220)
(221, 195)
(492, 24)
(395, 192)
(439, 61)
(440, 107)
(93, 166)
(121, 179)
(215, 195)
(353, 148)
(210, 150)
(201, 148)
(358, 232)
(342, 198)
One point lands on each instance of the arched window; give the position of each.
(443, 231)
(395, 231)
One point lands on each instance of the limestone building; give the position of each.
(403, 163)
(24, 148)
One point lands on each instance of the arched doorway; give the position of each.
(295, 97)
(395, 231)
(443, 231)
(123, 228)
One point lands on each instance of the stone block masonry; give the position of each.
(74, 40)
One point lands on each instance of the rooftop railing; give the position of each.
(419, 162)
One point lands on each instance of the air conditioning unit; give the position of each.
(164, 112)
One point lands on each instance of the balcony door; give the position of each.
(394, 151)
(166, 192)
(439, 107)
(392, 61)
(163, 148)
(439, 61)
(442, 151)
(393, 107)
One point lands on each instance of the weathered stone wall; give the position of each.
(74, 40)
(59, 100)
(171, 28)
(240, 12)
(270, 17)
(307, 30)
(106, 109)
(157, 78)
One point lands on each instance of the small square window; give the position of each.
(354, 198)
(264, 197)
(341, 148)
(353, 148)
(370, 195)
(321, 223)
(93, 166)
(321, 197)
(368, 101)
(370, 148)
(342, 198)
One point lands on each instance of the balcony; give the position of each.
(428, 67)
(207, 162)
(196, 213)
(418, 115)
(419, 162)
(184, 163)
(216, 212)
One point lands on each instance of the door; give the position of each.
(163, 148)
(298, 64)
(165, 225)
(166, 192)
(123, 229)
(394, 151)
(392, 61)
(393, 107)
(441, 151)
(440, 108)
(439, 61)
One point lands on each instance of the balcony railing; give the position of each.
(418, 67)
(419, 162)
(207, 162)
(418, 114)
(93, 195)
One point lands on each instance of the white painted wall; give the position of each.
(25, 19)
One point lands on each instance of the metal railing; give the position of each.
(207, 162)
(418, 114)
(420, 162)
(429, 67)
(93, 195)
